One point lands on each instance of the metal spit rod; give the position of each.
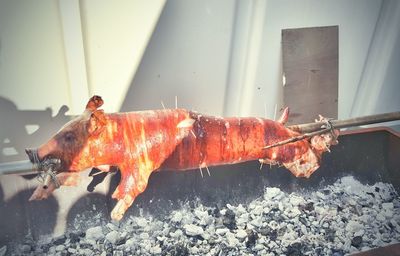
(25, 167)
(338, 124)
(17, 167)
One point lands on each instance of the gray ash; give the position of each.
(335, 220)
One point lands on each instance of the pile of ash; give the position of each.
(335, 220)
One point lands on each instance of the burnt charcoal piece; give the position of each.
(196, 238)
(326, 191)
(318, 251)
(121, 240)
(229, 220)
(274, 211)
(294, 249)
(109, 249)
(303, 221)
(74, 237)
(86, 246)
(177, 250)
(273, 235)
(356, 241)
(211, 241)
(330, 234)
(390, 225)
(251, 238)
(337, 252)
(309, 207)
(264, 231)
(192, 205)
(216, 212)
(59, 240)
(282, 231)
(224, 250)
(45, 247)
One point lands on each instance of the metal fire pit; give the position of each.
(370, 155)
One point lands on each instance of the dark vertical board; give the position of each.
(310, 67)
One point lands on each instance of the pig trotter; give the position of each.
(121, 207)
(94, 103)
(65, 179)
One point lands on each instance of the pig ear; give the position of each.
(94, 103)
(96, 122)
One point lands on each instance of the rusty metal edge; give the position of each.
(393, 249)
(390, 250)
(370, 129)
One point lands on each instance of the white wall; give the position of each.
(389, 97)
(379, 89)
(188, 56)
(32, 63)
(55, 53)
(224, 57)
(213, 55)
(115, 35)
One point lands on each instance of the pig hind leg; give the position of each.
(130, 186)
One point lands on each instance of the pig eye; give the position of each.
(69, 137)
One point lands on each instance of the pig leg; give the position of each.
(103, 168)
(131, 185)
(122, 205)
(64, 178)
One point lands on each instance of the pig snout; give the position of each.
(37, 155)
(29, 152)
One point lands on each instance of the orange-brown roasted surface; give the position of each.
(139, 143)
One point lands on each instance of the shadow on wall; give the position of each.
(20, 129)
(89, 211)
(22, 219)
(15, 125)
(186, 57)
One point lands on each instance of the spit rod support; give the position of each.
(17, 167)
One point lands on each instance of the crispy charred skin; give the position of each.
(142, 142)
(138, 143)
(216, 141)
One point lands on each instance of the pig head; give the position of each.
(73, 143)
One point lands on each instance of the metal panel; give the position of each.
(310, 68)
